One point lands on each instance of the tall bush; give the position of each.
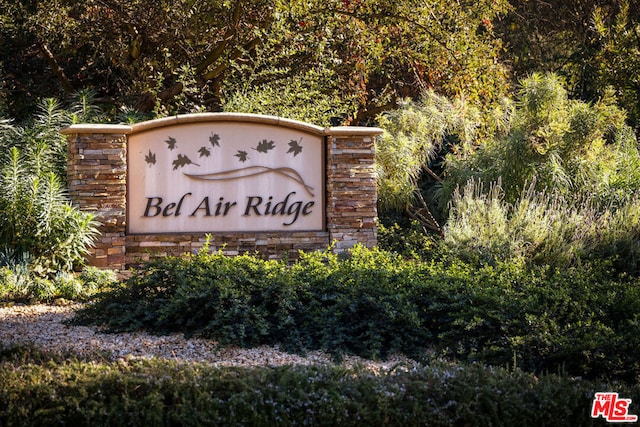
(36, 216)
(560, 187)
(410, 154)
(413, 135)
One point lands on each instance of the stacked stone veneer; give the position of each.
(97, 179)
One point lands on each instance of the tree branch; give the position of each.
(55, 67)
(431, 173)
(237, 53)
(371, 112)
(229, 35)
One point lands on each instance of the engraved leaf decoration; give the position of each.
(150, 158)
(171, 142)
(214, 139)
(264, 146)
(182, 161)
(242, 155)
(294, 147)
(204, 152)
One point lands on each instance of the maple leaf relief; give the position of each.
(242, 155)
(214, 139)
(171, 142)
(150, 158)
(204, 152)
(264, 146)
(182, 161)
(295, 147)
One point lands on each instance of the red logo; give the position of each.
(611, 408)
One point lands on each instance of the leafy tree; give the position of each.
(187, 55)
(549, 35)
(130, 52)
(617, 39)
(378, 52)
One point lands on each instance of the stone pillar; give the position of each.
(351, 187)
(97, 181)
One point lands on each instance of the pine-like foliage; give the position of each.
(564, 146)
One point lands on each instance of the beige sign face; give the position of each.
(225, 177)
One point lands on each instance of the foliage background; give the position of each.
(168, 57)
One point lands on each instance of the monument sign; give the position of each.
(242, 182)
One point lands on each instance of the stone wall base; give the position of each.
(144, 247)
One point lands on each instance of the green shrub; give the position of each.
(41, 289)
(6, 283)
(537, 319)
(95, 279)
(559, 188)
(413, 134)
(37, 389)
(580, 320)
(36, 217)
(15, 274)
(19, 283)
(320, 302)
(68, 286)
(360, 303)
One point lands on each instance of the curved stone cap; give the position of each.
(219, 117)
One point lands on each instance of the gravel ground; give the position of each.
(43, 327)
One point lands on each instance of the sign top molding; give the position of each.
(220, 117)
